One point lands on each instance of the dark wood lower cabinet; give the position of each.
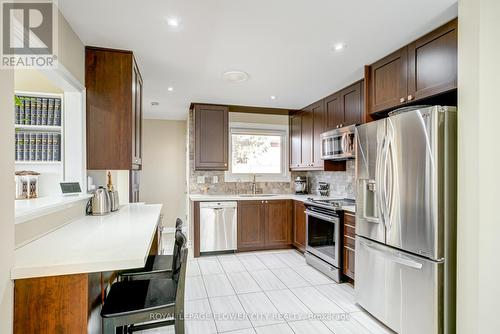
(251, 225)
(264, 224)
(348, 267)
(278, 223)
(299, 225)
(349, 250)
(59, 304)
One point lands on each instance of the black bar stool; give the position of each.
(157, 266)
(141, 301)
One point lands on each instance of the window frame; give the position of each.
(259, 128)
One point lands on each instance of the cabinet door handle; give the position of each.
(410, 97)
(402, 100)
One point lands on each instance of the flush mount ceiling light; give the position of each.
(235, 76)
(173, 22)
(170, 89)
(273, 97)
(339, 47)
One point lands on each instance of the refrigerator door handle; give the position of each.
(403, 260)
(381, 177)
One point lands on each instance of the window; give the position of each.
(258, 149)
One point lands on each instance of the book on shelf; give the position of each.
(44, 146)
(39, 146)
(26, 146)
(44, 111)
(33, 112)
(27, 110)
(56, 147)
(20, 146)
(21, 111)
(57, 112)
(50, 147)
(39, 111)
(50, 112)
(32, 146)
(18, 114)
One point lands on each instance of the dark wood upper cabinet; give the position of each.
(299, 225)
(345, 107)
(432, 63)
(352, 100)
(114, 109)
(388, 81)
(251, 225)
(307, 137)
(423, 69)
(334, 111)
(295, 140)
(278, 223)
(211, 137)
(319, 126)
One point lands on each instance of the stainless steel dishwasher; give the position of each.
(218, 226)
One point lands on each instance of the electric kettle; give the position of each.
(100, 203)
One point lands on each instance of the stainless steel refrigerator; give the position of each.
(406, 220)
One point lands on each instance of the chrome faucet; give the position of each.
(254, 185)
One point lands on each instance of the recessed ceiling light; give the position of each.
(339, 46)
(155, 104)
(235, 76)
(173, 22)
(273, 97)
(170, 89)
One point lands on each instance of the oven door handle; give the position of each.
(322, 216)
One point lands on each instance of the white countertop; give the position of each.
(118, 241)
(28, 209)
(226, 197)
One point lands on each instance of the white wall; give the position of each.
(478, 291)
(163, 177)
(71, 51)
(6, 198)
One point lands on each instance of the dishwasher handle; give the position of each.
(218, 205)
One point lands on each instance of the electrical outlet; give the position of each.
(215, 179)
(200, 179)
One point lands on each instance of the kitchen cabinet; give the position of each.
(299, 225)
(264, 224)
(278, 223)
(432, 63)
(345, 107)
(114, 109)
(306, 127)
(388, 81)
(295, 140)
(307, 138)
(425, 68)
(349, 245)
(211, 137)
(251, 225)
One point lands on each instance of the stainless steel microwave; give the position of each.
(338, 144)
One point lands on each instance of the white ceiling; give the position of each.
(286, 46)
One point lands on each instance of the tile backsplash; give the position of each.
(341, 183)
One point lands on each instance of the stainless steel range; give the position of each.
(323, 236)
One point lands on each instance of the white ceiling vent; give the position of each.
(235, 76)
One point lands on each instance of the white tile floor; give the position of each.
(269, 292)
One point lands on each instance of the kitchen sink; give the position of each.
(257, 195)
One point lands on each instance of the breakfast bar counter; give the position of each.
(61, 278)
